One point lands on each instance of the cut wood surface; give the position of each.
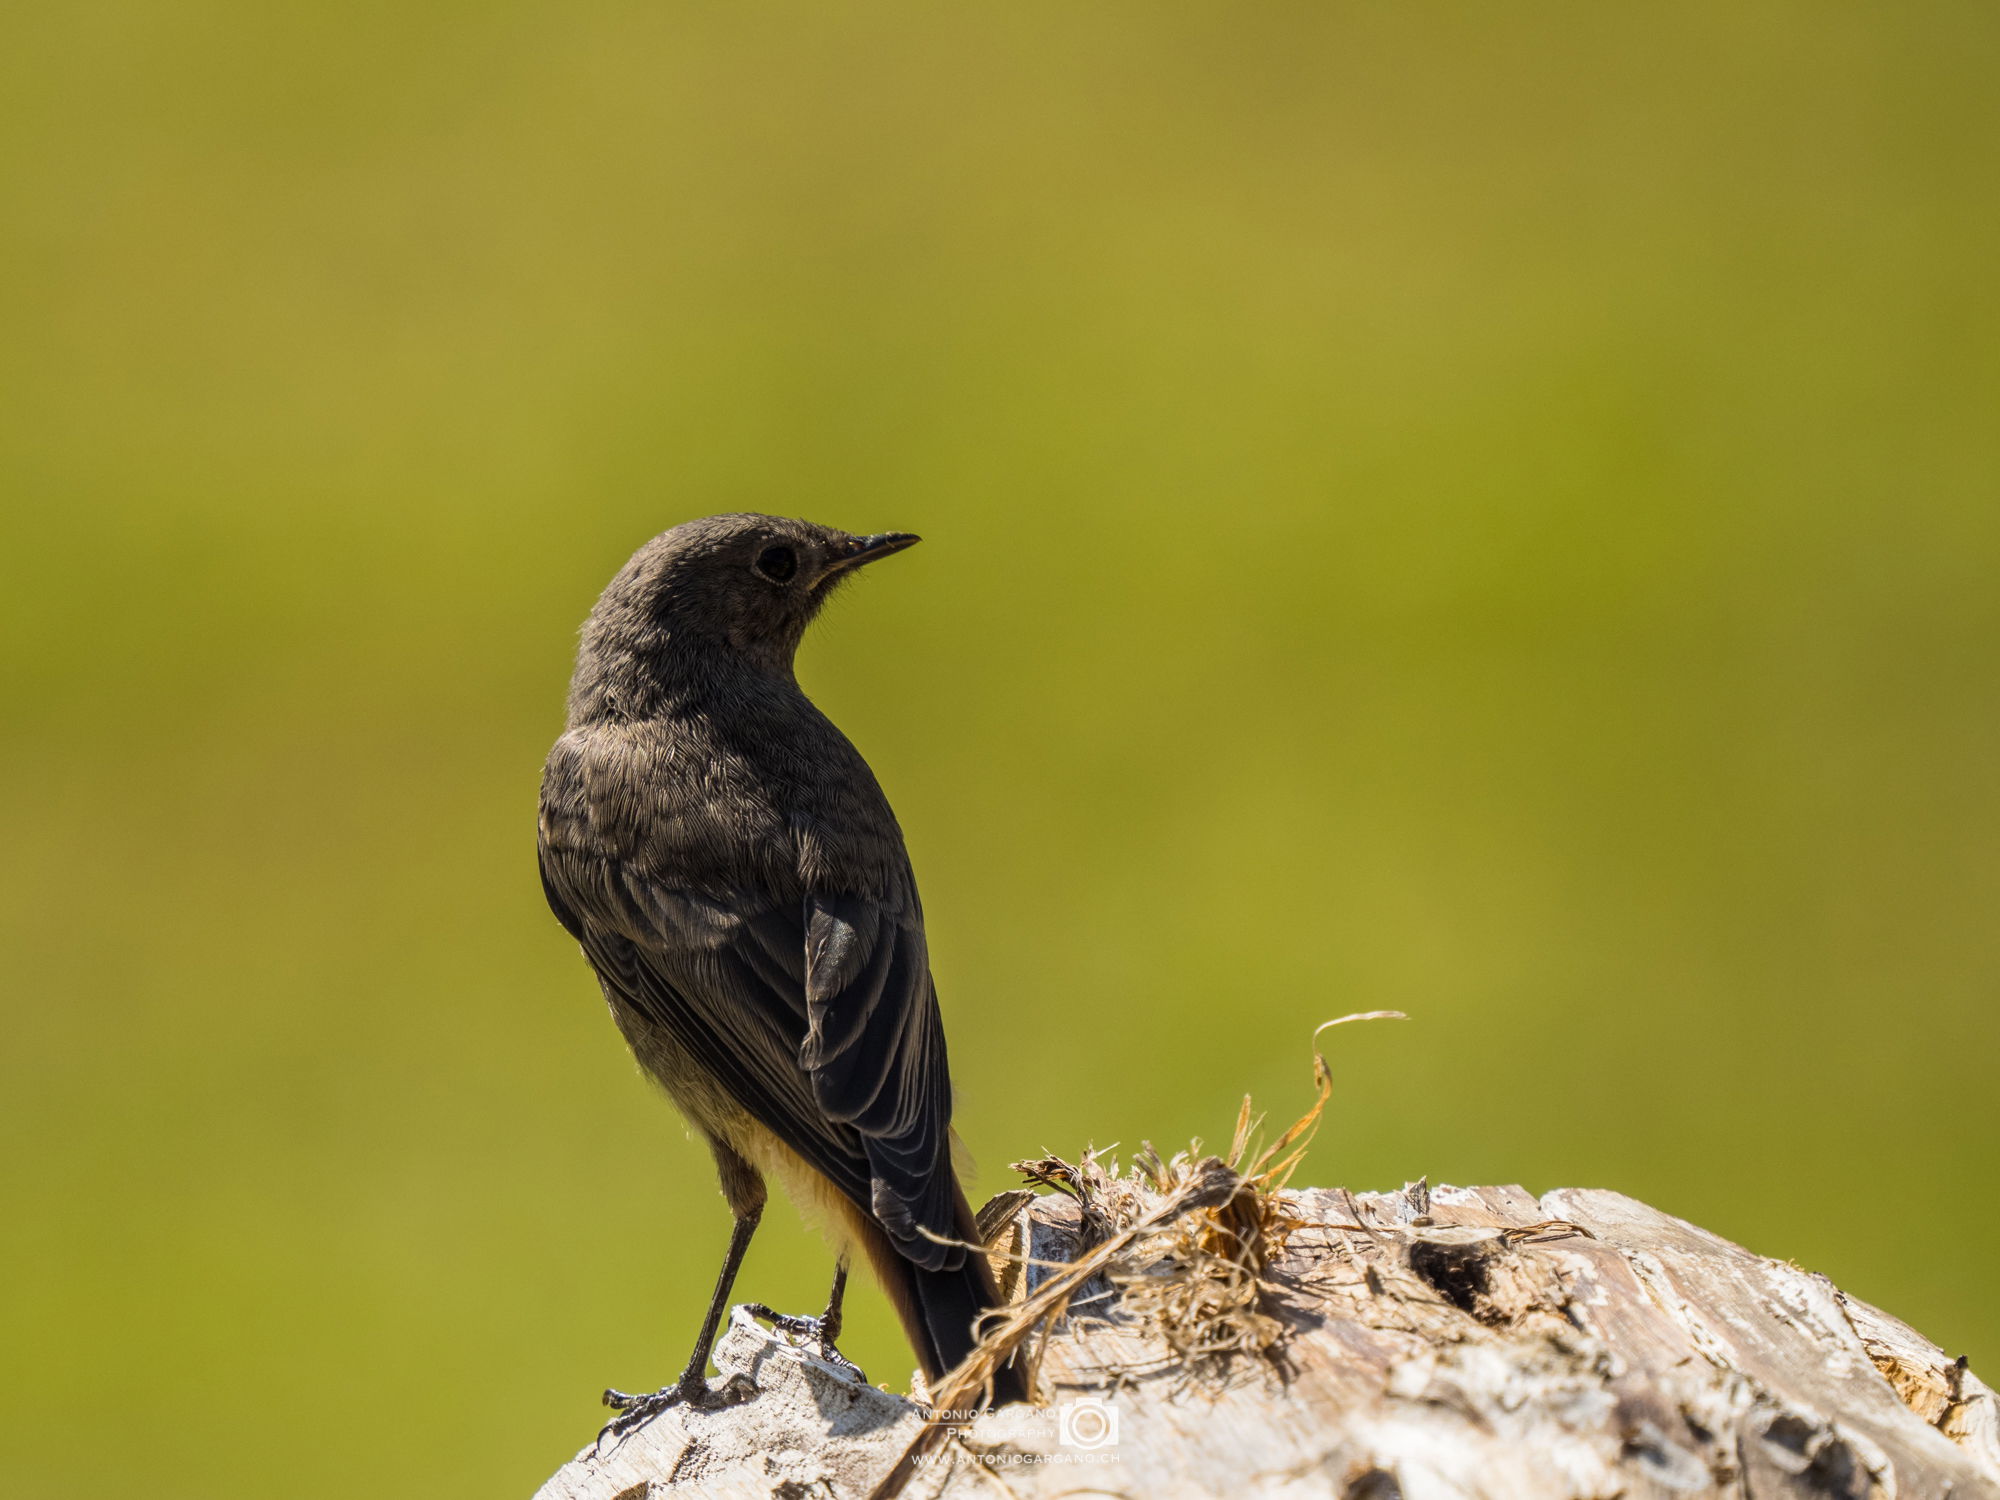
(1437, 1342)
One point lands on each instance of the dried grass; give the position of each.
(1179, 1249)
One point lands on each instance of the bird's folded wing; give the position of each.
(818, 1017)
(875, 1052)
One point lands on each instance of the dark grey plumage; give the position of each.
(737, 880)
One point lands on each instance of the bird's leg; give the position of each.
(822, 1330)
(693, 1389)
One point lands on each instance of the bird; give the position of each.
(733, 873)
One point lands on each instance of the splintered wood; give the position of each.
(1449, 1342)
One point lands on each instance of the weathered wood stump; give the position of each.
(1201, 1335)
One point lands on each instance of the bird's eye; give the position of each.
(778, 563)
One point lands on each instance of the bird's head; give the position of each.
(718, 592)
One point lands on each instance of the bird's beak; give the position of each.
(865, 549)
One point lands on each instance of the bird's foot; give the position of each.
(817, 1334)
(690, 1390)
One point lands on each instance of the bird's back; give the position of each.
(704, 859)
(767, 794)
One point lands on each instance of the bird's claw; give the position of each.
(635, 1410)
(816, 1333)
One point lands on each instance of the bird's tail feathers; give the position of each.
(940, 1310)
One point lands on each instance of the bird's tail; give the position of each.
(940, 1309)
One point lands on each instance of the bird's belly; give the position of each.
(693, 1088)
(711, 1110)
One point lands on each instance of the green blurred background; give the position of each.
(1482, 511)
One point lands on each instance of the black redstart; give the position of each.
(738, 882)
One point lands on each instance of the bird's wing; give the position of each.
(874, 1050)
(818, 1017)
